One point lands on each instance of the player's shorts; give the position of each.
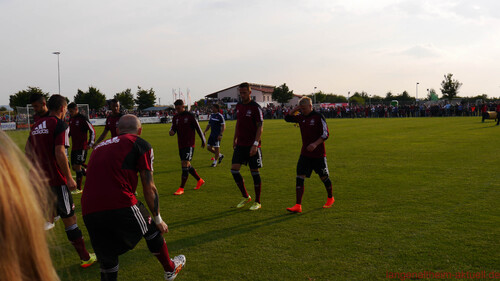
(213, 141)
(241, 155)
(186, 153)
(64, 204)
(306, 165)
(114, 232)
(78, 157)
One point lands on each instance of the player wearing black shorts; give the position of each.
(115, 219)
(217, 126)
(46, 148)
(184, 124)
(79, 128)
(247, 145)
(314, 131)
(111, 121)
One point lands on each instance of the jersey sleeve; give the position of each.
(106, 127)
(222, 121)
(174, 124)
(291, 118)
(145, 161)
(197, 127)
(325, 133)
(91, 132)
(61, 133)
(258, 115)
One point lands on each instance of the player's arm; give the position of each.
(206, 129)
(235, 139)
(152, 198)
(291, 117)
(200, 133)
(91, 134)
(62, 162)
(260, 129)
(173, 128)
(101, 137)
(222, 129)
(324, 136)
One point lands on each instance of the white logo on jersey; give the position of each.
(110, 141)
(41, 129)
(249, 112)
(312, 122)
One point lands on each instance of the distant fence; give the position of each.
(144, 120)
(8, 126)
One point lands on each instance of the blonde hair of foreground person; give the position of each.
(24, 203)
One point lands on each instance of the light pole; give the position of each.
(416, 95)
(58, 71)
(314, 96)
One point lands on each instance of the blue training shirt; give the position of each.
(216, 121)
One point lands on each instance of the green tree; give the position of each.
(404, 97)
(389, 96)
(145, 98)
(450, 87)
(377, 99)
(126, 99)
(3, 108)
(22, 98)
(282, 94)
(358, 98)
(93, 97)
(330, 98)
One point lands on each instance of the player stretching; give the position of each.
(217, 124)
(79, 125)
(115, 219)
(111, 121)
(184, 124)
(46, 148)
(246, 145)
(314, 132)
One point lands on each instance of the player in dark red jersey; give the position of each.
(498, 112)
(39, 106)
(184, 124)
(115, 219)
(79, 128)
(111, 121)
(314, 131)
(46, 148)
(247, 145)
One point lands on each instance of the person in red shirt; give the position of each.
(247, 145)
(46, 149)
(184, 124)
(79, 128)
(111, 121)
(39, 106)
(314, 131)
(115, 219)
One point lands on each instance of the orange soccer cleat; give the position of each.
(295, 209)
(329, 202)
(179, 191)
(199, 184)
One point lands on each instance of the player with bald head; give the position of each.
(115, 219)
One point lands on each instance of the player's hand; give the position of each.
(219, 138)
(71, 184)
(203, 145)
(162, 227)
(253, 150)
(234, 144)
(311, 147)
(171, 133)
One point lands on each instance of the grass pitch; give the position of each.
(412, 195)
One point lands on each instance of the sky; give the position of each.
(207, 45)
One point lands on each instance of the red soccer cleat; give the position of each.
(179, 191)
(199, 184)
(295, 209)
(329, 202)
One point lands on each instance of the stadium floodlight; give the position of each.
(58, 71)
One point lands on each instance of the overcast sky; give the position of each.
(208, 45)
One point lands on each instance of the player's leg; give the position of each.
(304, 169)
(216, 156)
(193, 172)
(238, 159)
(76, 160)
(255, 163)
(321, 169)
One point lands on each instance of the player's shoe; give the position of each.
(179, 191)
(179, 262)
(243, 202)
(214, 164)
(49, 225)
(295, 209)
(199, 184)
(255, 206)
(221, 157)
(329, 202)
(76, 191)
(91, 261)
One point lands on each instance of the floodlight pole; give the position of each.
(58, 71)
(416, 93)
(314, 96)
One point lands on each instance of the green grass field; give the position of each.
(412, 195)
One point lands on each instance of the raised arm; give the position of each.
(101, 137)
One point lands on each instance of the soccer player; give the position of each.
(46, 148)
(184, 124)
(39, 106)
(247, 145)
(217, 124)
(314, 132)
(79, 128)
(498, 112)
(111, 121)
(115, 219)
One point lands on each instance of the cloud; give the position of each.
(421, 52)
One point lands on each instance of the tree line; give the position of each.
(93, 97)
